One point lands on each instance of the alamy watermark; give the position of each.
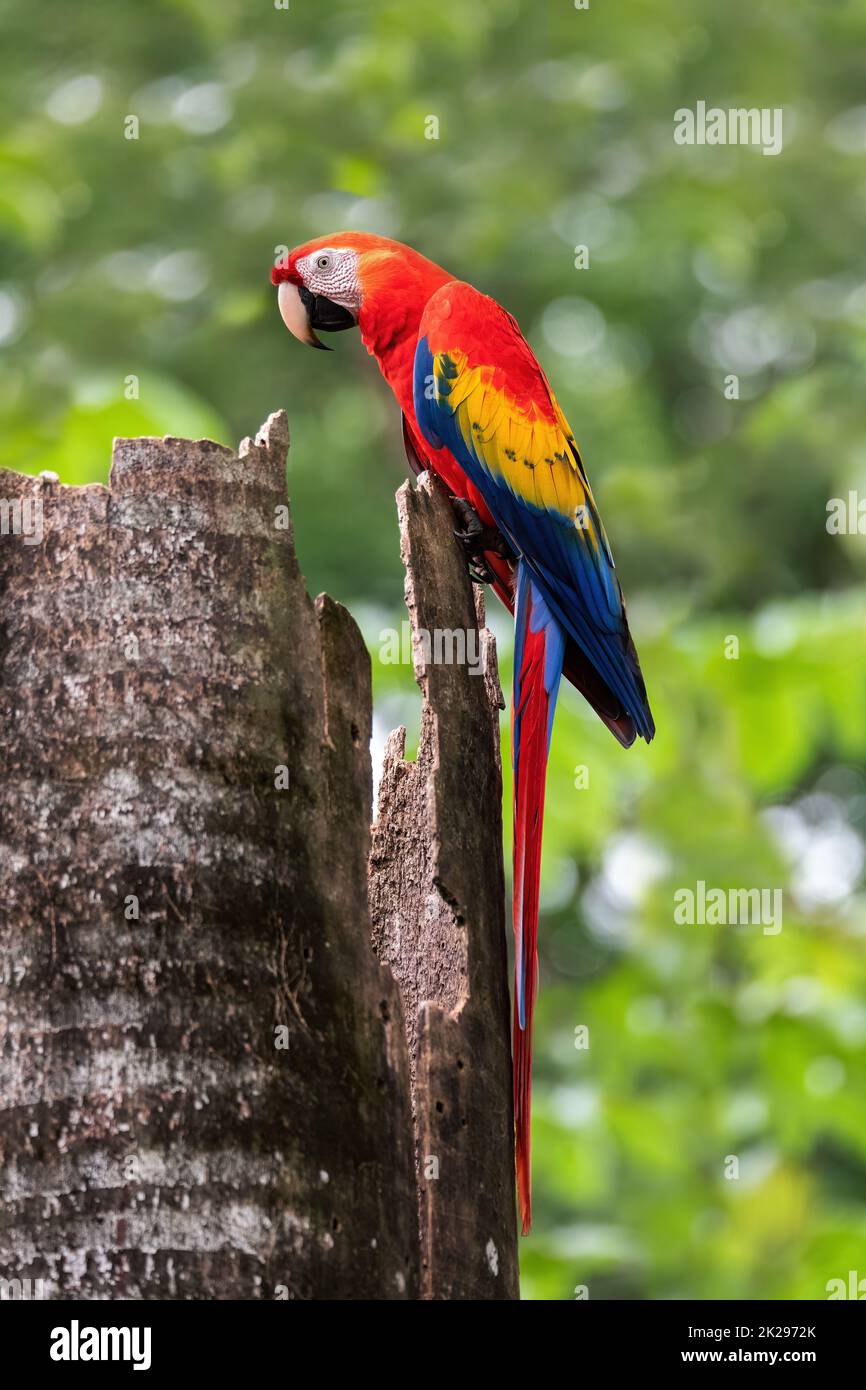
(444, 646)
(852, 1287)
(738, 126)
(22, 516)
(847, 516)
(77, 1343)
(21, 1290)
(733, 907)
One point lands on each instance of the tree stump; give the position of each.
(205, 1079)
(437, 899)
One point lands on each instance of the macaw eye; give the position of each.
(324, 262)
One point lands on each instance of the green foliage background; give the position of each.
(260, 127)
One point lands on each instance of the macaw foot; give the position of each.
(476, 538)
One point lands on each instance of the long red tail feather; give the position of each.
(538, 654)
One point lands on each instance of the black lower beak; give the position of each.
(325, 315)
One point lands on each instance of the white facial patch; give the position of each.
(333, 272)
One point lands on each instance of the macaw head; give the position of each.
(341, 280)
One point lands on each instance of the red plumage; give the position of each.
(562, 585)
(531, 713)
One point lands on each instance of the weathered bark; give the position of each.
(208, 1086)
(166, 909)
(438, 919)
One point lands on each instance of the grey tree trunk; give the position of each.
(436, 895)
(205, 1086)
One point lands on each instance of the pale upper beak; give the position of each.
(295, 316)
(304, 312)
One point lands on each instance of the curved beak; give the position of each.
(303, 313)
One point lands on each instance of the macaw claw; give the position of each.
(476, 538)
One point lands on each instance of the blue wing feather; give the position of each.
(578, 581)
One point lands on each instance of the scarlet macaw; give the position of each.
(478, 410)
